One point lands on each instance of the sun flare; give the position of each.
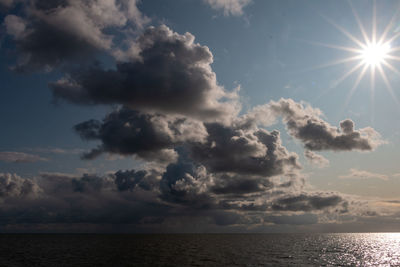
(374, 54)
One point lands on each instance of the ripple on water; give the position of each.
(372, 249)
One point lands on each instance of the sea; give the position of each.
(349, 249)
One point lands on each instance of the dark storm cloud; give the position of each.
(305, 124)
(19, 157)
(169, 74)
(149, 136)
(48, 33)
(253, 152)
(308, 202)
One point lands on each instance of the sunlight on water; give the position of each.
(370, 249)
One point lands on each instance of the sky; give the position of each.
(199, 116)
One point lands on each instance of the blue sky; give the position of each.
(271, 50)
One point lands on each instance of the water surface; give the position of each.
(201, 250)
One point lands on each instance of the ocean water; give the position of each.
(371, 249)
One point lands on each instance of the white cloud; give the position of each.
(229, 7)
(360, 174)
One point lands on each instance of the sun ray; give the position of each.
(394, 37)
(338, 47)
(391, 67)
(347, 74)
(393, 57)
(374, 23)
(332, 63)
(360, 25)
(355, 85)
(372, 93)
(388, 85)
(387, 28)
(342, 30)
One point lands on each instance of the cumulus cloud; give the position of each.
(12, 185)
(252, 152)
(131, 179)
(304, 123)
(149, 136)
(19, 157)
(229, 7)
(49, 33)
(360, 174)
(316, 159)
(171, 74)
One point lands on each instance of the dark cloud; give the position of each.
(239, 185)
(6, 4)
(149, 136)
(188, 183)
(254, 152)
(88, 183)
(19, 157)
(302, 219)
(308, 202)
(170, 73)
(130, 179)
(48, 33)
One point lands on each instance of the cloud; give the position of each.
(309, 202)
(240, 184)
(55, 150)
(49, 33)
(249, 152)
(12, 185)
(304, 123)
(149, 136)
(229, 7)
(315, 159)
(130, 179)
(20, 157)
(6, 3)
(360, 174)
(171, 74)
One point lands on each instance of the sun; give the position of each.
(374, 54)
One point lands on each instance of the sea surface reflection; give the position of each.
(358, 249)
